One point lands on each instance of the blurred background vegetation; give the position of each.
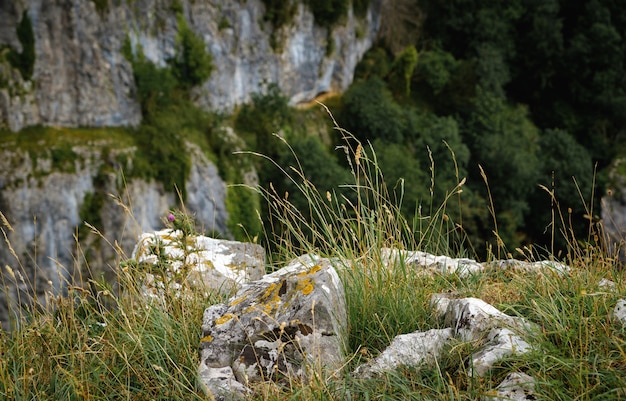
(524, 99)
(533, 92)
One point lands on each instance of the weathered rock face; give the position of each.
(184, 263)
(81, 78)
(45, 206)
(280, 326)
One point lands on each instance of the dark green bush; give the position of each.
(24, 61)
(370, 112)
(192, 64)
(401, 73)
(278, 12)
(328, 12)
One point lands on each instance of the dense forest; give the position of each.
(522, 101)
(524, 98)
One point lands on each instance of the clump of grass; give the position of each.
(105, 341)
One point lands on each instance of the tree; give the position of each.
(566, 169)
(24, 61)
(370, 112)
(192, 64)
(406, 180)
(402, 69)
(504, 141)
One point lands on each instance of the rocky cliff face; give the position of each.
(71, 71)
(45, 207)
(81, 78)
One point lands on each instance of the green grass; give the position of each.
(107, 342)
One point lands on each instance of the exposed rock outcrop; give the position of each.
(179, 263)
(81, 78)
(290, 322)
(278, 327)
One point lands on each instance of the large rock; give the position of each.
(494, 333)
(181, 263)
(81, 77)
(441, 264)
(285, 325)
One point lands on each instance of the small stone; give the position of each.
(516, 386)
(415, 350)
(619, 312)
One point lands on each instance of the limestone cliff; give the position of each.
(81, 78)
(45, 206)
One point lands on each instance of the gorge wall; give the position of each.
(62, 65)
(80, 76)
(45, 208)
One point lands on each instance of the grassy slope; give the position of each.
(106, 344)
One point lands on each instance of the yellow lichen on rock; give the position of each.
(312, 270)
(224, 319)
(305, 285)
(206, 339)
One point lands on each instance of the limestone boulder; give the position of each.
(501, 342)
(284, 325)
(434, 263)
(494, 333)
(417, 349)
(173, 260)
(472, 318)
(441, 264)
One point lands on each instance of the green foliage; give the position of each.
(267, 115)
(315, 165)
(101, 5)
(406, 179)
(63, 158)
(176, 7)
(360, 7)
(278, 12)
(437, 68)
(180, 220)
(328, 12)
(25, 60)
(161, 152)
(403, 67)
(243, 205)
(376, 62)
(90, 212)
(370, 112)
(567, 171)
(438, 139)
(505, 143)
(192, 64)
(156, 87)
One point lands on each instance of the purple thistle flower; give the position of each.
(171, 217)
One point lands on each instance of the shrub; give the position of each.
(328, 12)
(192, 64)
(24, 61)
(370, 112)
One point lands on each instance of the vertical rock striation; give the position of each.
(81, 77)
